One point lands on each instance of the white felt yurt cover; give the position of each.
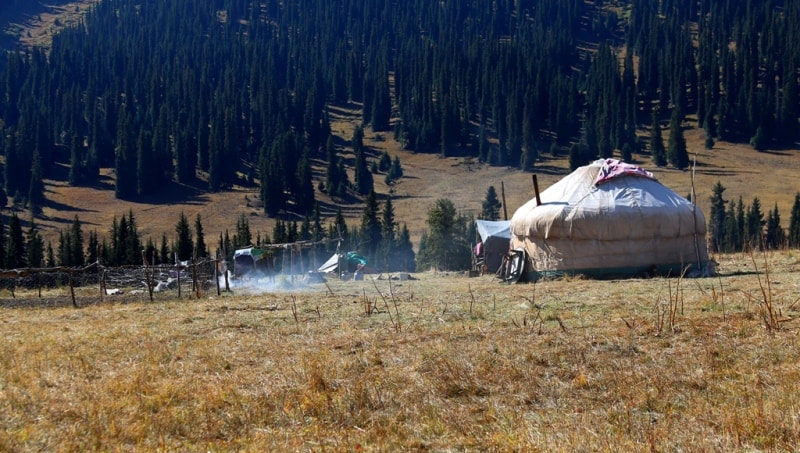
(610, 218)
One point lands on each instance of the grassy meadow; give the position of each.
(438, 362)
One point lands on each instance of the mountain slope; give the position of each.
(743, 171)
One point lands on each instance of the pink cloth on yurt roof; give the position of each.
(613, 168)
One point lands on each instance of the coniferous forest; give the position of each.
(214, 91)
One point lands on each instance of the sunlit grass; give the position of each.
(562, 365)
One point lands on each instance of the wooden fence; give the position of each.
(193, 277)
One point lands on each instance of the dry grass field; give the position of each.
(440, 362)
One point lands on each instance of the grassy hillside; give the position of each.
(771, 176)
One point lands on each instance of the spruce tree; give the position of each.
(491, 205)
(363, 177)
(75, 251)
(677, 155)
(404, 255)
(184, 246)
(388, 235)
(331, 169)
(36, 189)
(657, 151)
(75, 162)
(370, 239)
(150, 252)
(35, 248)
(64, 247)
(732, 235)
(200, 241)
(125, 167)
(444, 249)
(132, 243)
(304, 198)
(754, 225)
(774, 236)
(793, 234)
(243, 236)
(385, 162)
(92, 247)
(163, 250)
(716, 221)
(51, 257)
(15, 245)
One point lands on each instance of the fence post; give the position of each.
(195, 284)
(147, 277)
(72, 290)
(216, 274)
(178, 272)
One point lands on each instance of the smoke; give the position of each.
(259, 284)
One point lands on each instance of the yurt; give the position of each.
(610, 219)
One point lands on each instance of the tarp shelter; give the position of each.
(351, 260)
(249, 259)
(495, 237)
(331, 265)
(607, 219)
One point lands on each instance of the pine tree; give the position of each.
(36, 189)
(15, 245)
(124, 164)
(370, 227)
(395, 171)
(163, 250)
(92, 249)
(385, 162)
(716, 222)
(657, 150)
(150, 252)
(64, 247)
(331, 173)
(732, 236)
(491, 205)
(200, 242)
(363, 177)
(75, 251)
(35, 248)
(754, 225)
(774, 236)
(793, 233)
(51, 257)
(677, 155)
(243, 237)
(75, 162)
(445, 249)
(132, 243)
(146, 167)
(405, 258)
(184, 246)
(304, 198)
(388, 235)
